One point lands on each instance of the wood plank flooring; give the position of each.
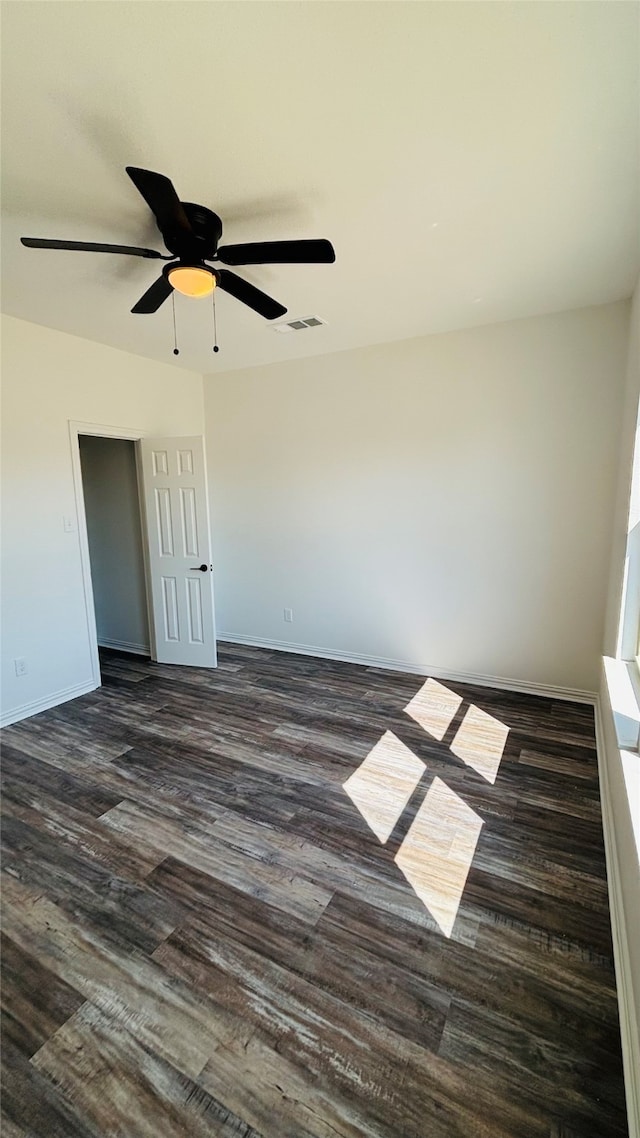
(295, 898)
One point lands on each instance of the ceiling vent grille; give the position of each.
(299, 325)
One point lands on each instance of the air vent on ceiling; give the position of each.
(299, 325)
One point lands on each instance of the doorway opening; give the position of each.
(114, 534)
(145, 547)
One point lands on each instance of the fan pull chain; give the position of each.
(176, 350)
(215, 326)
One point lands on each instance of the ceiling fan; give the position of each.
(191, 234)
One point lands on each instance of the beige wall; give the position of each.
(49, 378)
(444, 502)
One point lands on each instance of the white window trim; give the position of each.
(623, 672)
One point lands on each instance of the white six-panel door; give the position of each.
(180, 570)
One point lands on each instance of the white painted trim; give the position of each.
(108, 432)
(629, 626)
(629, 1028)
(75, 430)
(575, 695)
(630, 600)
(144, 527)
(124, 646)
(51, 700)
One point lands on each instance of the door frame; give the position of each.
(127, 434)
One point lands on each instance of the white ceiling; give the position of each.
(471, 162)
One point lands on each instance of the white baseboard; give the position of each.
(124, 646)
(576, 695)
(62, 696)
(629, 1027)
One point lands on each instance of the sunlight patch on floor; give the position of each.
(436, 855)
(383, 784)
(480, 742)
(438, 850)
(434, 707)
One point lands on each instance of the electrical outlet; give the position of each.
(20, 665)
(288, 616)
(67, 524)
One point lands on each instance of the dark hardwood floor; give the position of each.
(305, 899)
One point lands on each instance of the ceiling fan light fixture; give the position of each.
(191, 280)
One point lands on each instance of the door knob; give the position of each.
(202, 568)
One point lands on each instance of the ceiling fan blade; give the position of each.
(159, 193)
(249, 294)
(278, 253)
(154, 296)
(90, 247)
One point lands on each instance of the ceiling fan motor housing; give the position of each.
(198, 244)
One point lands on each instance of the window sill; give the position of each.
(623, 685)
